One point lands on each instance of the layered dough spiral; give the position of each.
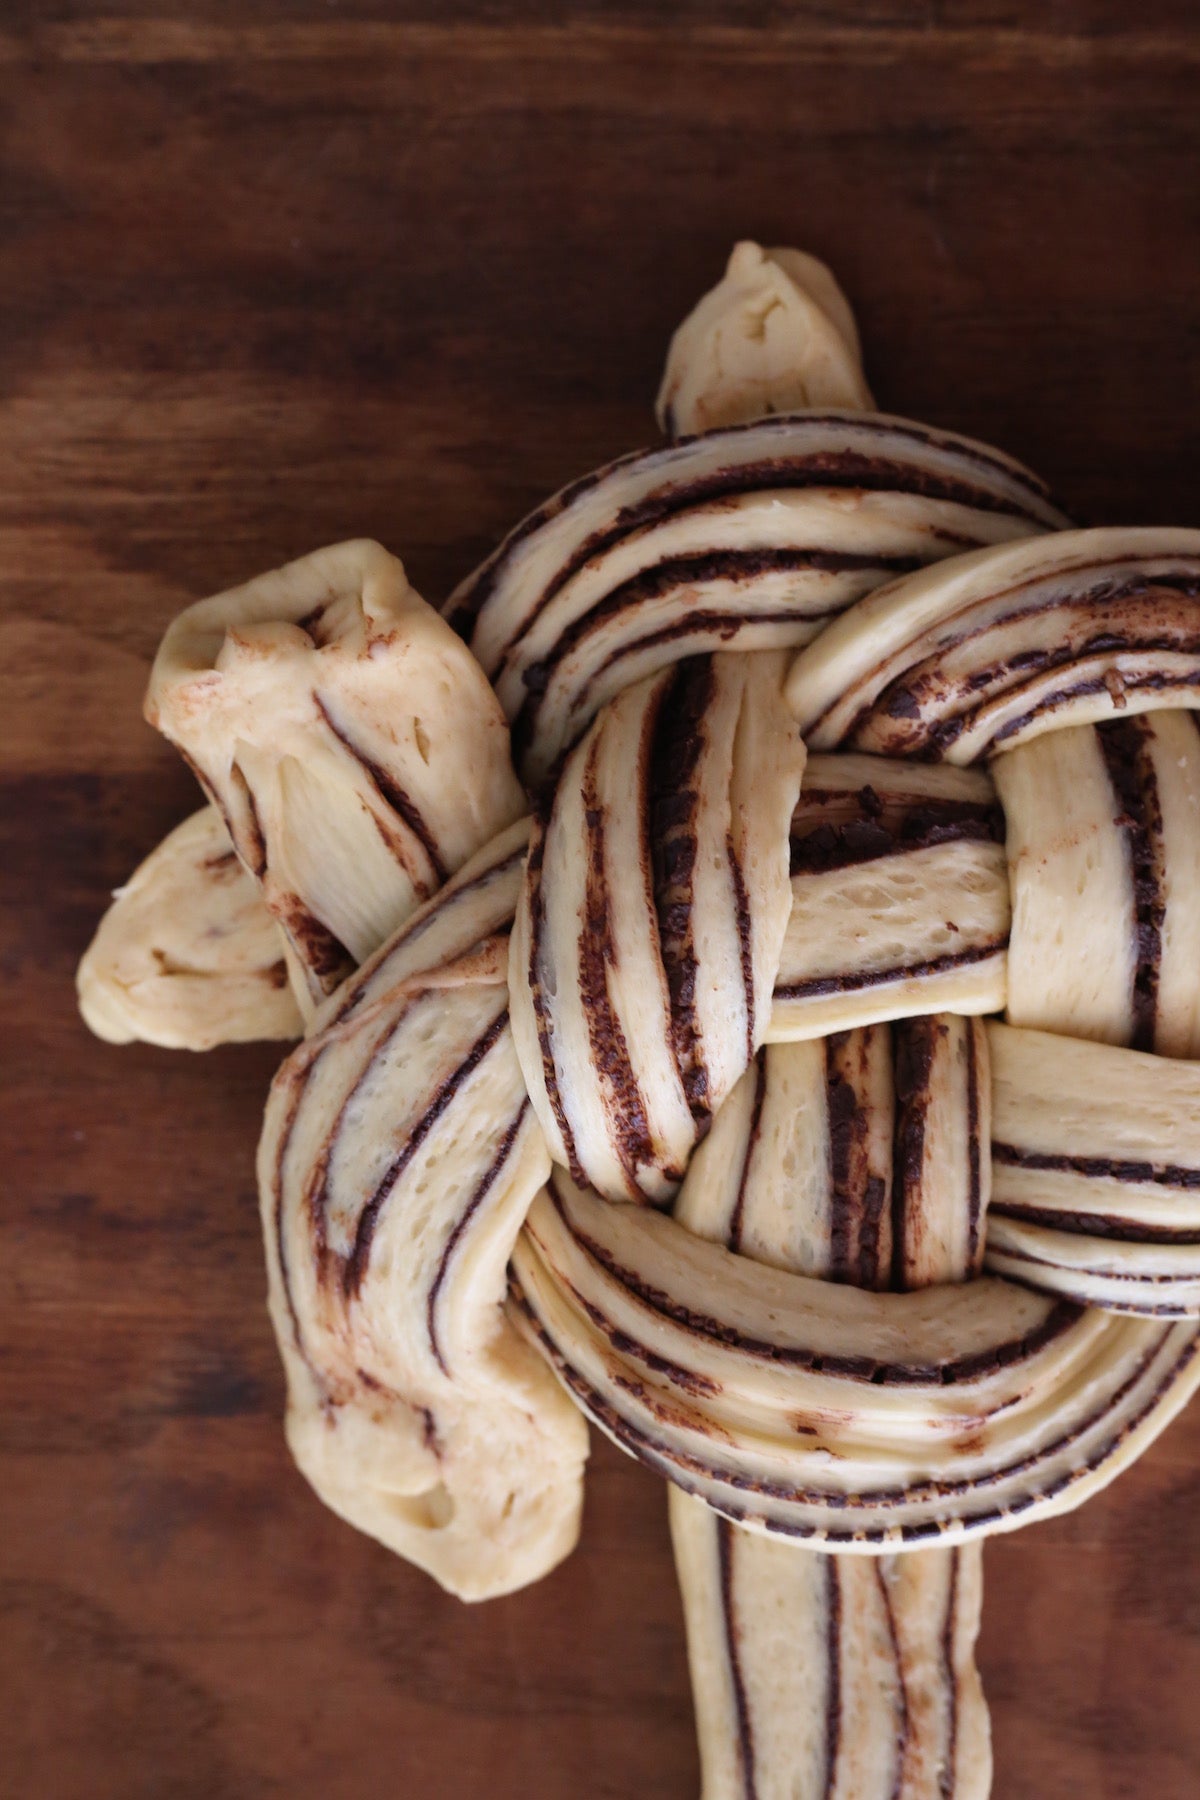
(828, 1414)
(652, 919)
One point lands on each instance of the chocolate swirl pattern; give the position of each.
(900, 896)
(829, 1415)
(1104, 855)
(929, 1274)
(1096, 1172)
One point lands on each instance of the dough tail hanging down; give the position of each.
(817, 1675)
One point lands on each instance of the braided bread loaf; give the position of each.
(838, 740)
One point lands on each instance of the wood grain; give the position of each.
(270, 277)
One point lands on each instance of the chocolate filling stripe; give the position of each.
(353, 992)
(626, 1109)
(848, 984)
(974, 1150)
(323, 954)
(819, 848)
(316, 1194)
(677, 1463)
(850, 1249)
(673, 805)
(724, 628)
(475, 592)
(897, 698)
(1087, 1278)
(253, 836)
(1058, 1319)
(1136, 1173)
(1125, 747)
(1102, 1225)
(741, 1706)
(948, 1779)
(903, 1728)
(833, 1673)
(734, 1236)
(481, 1191)
(392, 794)
(283, 1144)
(1149, 683)
(914, 1044)
(356, 1263)
(744, 566)
(537, 995)
(745, 931)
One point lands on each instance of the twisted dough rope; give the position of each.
(751, 537)
(721, 587)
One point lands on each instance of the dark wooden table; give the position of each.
(399, 270)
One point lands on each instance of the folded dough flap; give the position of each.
(349, 739)
(187, 956)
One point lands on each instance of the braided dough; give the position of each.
(838, 741)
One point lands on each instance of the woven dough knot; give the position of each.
(911, 1144)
